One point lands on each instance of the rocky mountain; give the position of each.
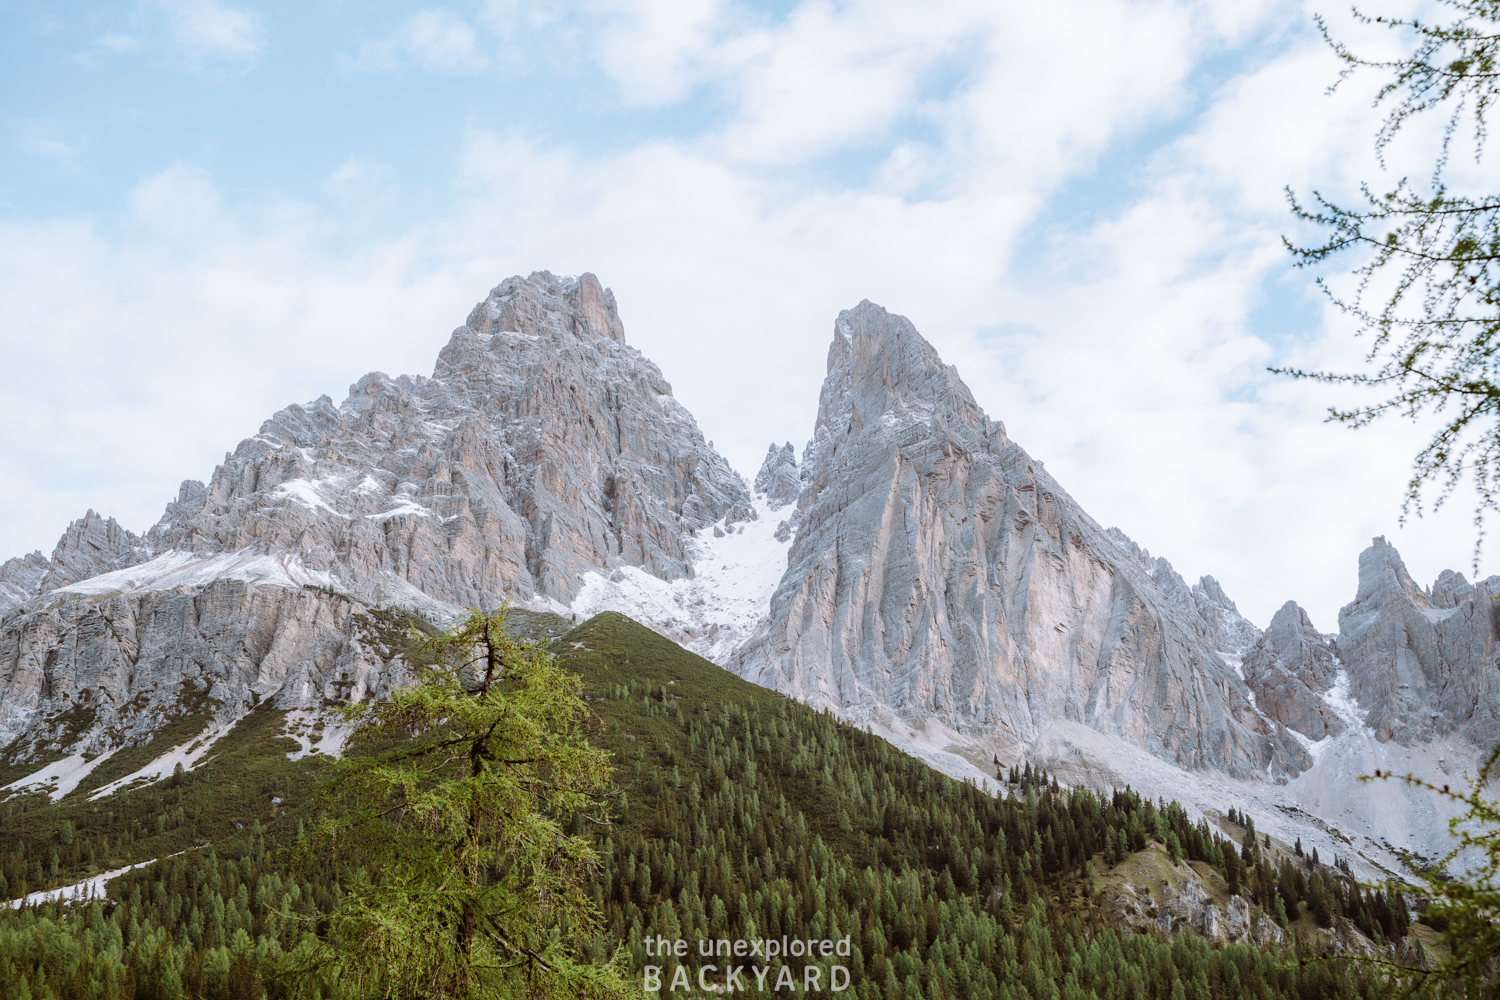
(940, 575)
(779, 479)
(917, 572)
(1290, 668)
(1212, 613)
(90, 546)
(21, 579)
(542, 447)
(1422, 663)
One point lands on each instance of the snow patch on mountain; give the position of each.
(315, 732)
(79, 892)
(174, 569)
(190, 754)
(61, 776)
(736, 567)
(308, 493)
(1344, 706)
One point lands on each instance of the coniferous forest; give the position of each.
(742, 815)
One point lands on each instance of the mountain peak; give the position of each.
(940, 576)
(1419, 660)
(544, 449)
(544, 304)
(778, 477)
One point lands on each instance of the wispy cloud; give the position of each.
(119, 42)
(46, 140)
(207, 29)
(437, 40)
(1115, 341)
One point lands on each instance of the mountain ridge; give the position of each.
(917, 571)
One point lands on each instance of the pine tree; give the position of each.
(450, 849)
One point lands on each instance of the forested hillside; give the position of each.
(744, 815)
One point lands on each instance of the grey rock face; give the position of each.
(778, 477)
(92, 545)
(1227, 628)
(21, 579)
(1422, 663)
(543, 447)
(1289, 668)
(1186, 905)
(128, 662)
(1214, 615)
(940, 573)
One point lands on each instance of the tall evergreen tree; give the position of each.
(457, 874)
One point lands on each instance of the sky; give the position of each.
(210, 210)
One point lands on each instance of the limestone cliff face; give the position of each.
(1422, 663)
(940, 573)
(121, 664)
(1213, 615)
(778, 478)
(21, 579)
(91, 545)
(542, 447)
(1289, 668)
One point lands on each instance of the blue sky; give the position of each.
(211, 209)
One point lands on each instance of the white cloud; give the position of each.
(208, 29)
(438, 41)
(361, 185)
(46, 140)
(658, 50)
(119, 42)
(1117, 347)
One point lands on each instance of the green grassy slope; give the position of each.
(745, 815)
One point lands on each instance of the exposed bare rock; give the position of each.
(1219, 620)
(1289, 668)
(543, 447)
(1149, 893)
(91, 545)
(1227, 628)
(941, 575)
(778, 477)
(126, 663)
(1422, 663)
(21, 579)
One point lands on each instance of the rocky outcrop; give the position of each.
(779, 478)
(1422, 663)
(21, 579)
(1227, 629)
(542, 447)
(91, 545)
(1149, 893)
(939, 573)
(1289, 668)
(1172, 911)
(124, 664)
(1210, 610)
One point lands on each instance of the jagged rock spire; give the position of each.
(778, 477)
(940, 573)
